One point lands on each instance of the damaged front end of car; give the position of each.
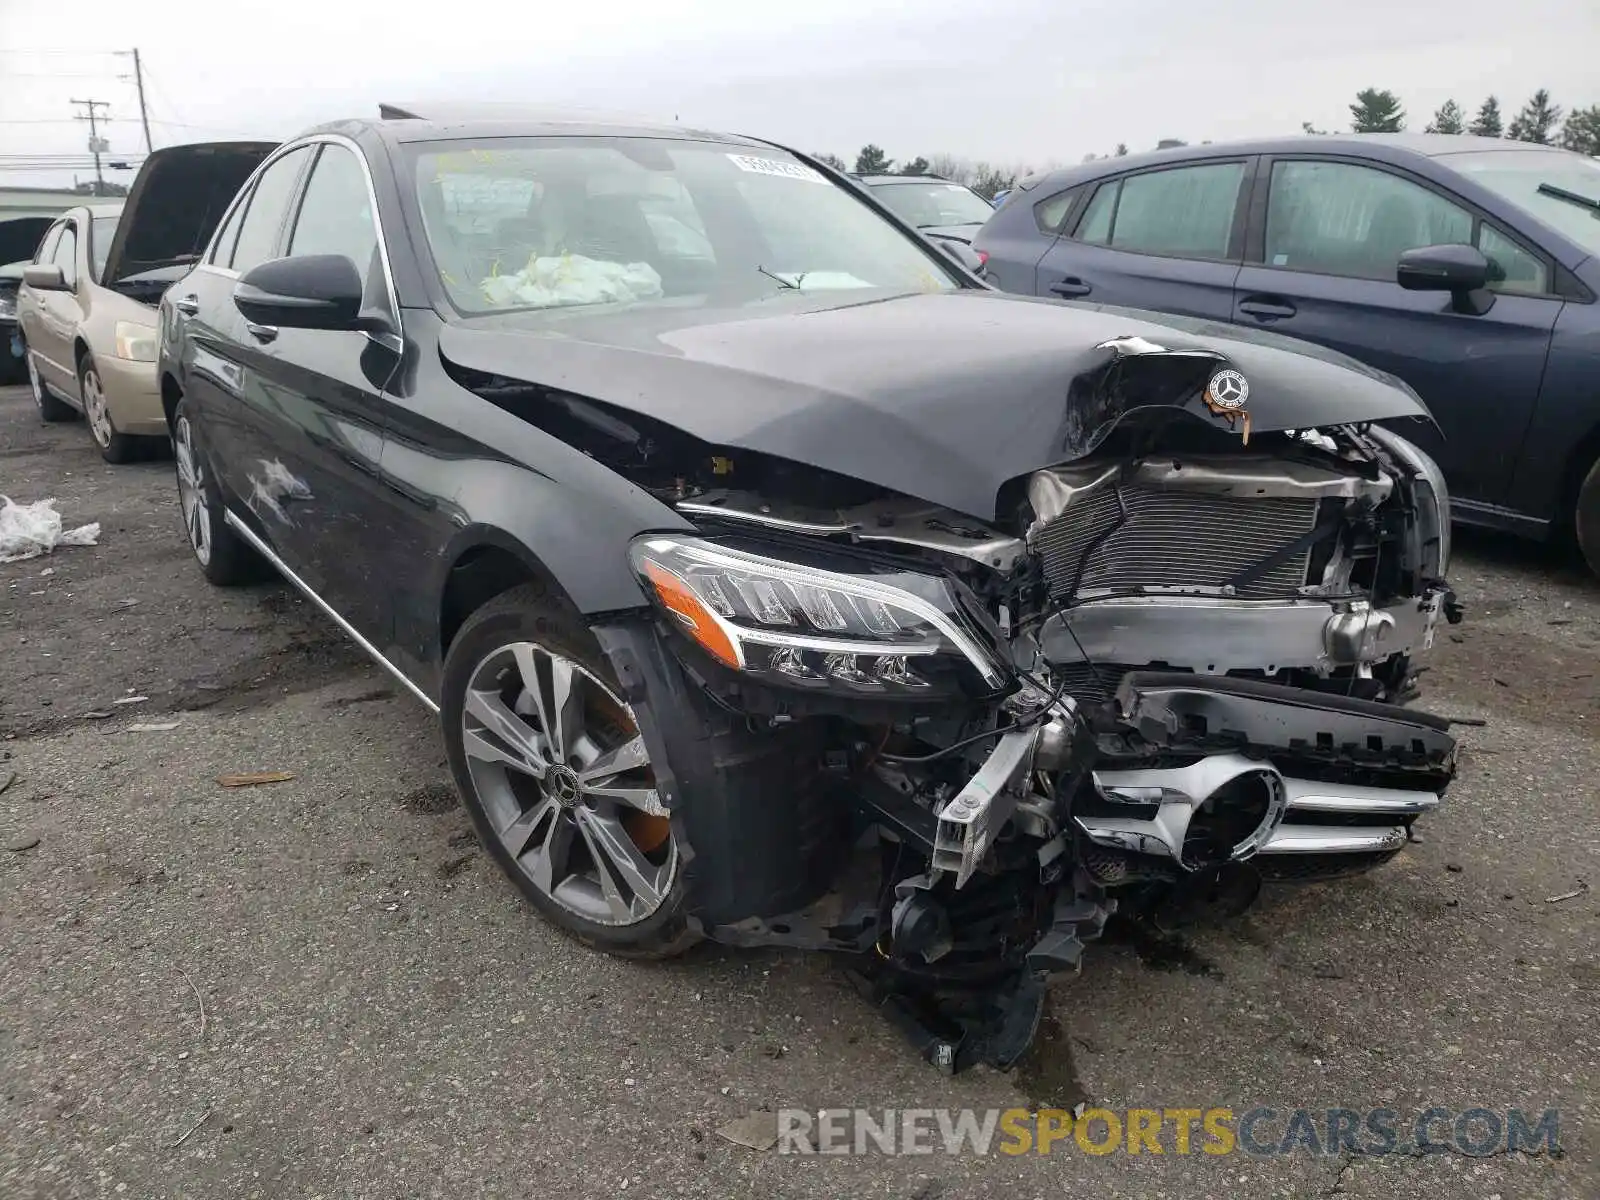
(1174, 664)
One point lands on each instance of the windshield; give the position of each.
(1517, 174)
(100, 243)
(517, 223)
(926, 204)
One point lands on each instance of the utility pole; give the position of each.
(144, 115)
(97, 144)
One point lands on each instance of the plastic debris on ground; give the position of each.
(572, 279)
(29, 530)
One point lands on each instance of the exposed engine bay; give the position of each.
(1170, 669)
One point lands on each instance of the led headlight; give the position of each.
(136, 342)
(877, 631)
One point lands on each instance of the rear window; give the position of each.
(1179, 212)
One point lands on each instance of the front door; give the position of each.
(1168, 240)
(313, 404)
(1330, 237)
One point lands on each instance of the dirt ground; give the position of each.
(322, 988)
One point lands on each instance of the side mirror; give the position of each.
(1462, 271)
(44, 277)
(968, 258)
(313, 291)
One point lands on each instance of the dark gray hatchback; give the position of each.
(1466, 266)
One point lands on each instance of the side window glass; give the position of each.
(1512, 269)
(258, 235)
(1186, 212)
(66, 255)
(1051, 211)
(47, 245)
(1344, 219)
(336, 215)
(1095, 227)
(222, 250)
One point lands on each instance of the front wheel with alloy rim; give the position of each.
(114, 447)
(224, 557)
(557, 778)
(51, 408)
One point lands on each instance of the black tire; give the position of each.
(116, 448)
(52, 409)
(12, 370)
(225, 559)
(529, 613)
(1586, 518)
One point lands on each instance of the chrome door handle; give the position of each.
(187, 305)
(262, 333)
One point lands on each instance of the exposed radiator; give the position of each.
(1174, 538)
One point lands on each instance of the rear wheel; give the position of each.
(51, 408)
(225, 558)
(1586, 518)
(557, 779)
(114, 447)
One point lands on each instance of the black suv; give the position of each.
(777, 581)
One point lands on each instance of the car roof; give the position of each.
(1390, 147)
(451, 120)
(105, 210)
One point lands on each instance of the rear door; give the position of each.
(1169, 239)
(214, 366)
(313, 406)
(1326, 235)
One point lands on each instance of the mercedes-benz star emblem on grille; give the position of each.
(1228, 390)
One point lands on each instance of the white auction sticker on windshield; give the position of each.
(771, 166)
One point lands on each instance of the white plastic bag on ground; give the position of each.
(572, 279)
(29, 530)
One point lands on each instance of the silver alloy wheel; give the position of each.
(94, 407)
(564, 779)
(191, 490)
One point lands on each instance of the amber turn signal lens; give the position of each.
(678, 598)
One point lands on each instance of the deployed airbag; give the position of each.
(555, 281)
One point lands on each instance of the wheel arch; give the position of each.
(171, 393)
(487, 562)
(1583, 457)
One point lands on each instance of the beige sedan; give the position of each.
(88, 347)
(87, 308)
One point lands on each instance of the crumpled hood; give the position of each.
(941, 396)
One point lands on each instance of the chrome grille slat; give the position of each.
(1175, 538)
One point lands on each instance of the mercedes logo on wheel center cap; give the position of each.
(1228, 390)
(562, 783)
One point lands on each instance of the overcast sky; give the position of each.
(1013, 81)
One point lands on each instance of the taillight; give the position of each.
(983, 258)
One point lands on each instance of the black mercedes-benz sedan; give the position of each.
(776, 581)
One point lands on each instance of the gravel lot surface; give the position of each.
(320, 987)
